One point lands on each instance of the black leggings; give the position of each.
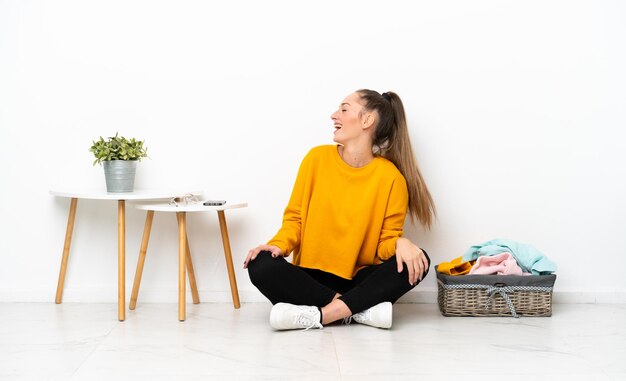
(280, 281)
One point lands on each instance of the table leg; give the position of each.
(121, 260)
(192, 276)
(182, 250)
(142, 258)
(66, 250)
(229, 259)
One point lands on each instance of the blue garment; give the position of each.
(528, 258)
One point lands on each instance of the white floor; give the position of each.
(40, 341)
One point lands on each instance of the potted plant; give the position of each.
(119, 157)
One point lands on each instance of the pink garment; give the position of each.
(499, 264)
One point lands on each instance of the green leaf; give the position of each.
(118, 148)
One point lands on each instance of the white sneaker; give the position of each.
(290, 316)
(379, 316)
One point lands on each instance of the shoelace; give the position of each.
(364, 315)
(303, 320)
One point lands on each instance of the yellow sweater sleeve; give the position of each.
(288, 237)
(394, 219)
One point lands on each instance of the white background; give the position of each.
(516, 112)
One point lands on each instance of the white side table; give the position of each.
(184, 257)
(121, 198)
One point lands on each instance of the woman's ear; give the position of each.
(368, 120)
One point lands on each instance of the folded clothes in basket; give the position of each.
(455, 267)
(499, 264)
(528, 257)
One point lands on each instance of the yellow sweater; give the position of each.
(339, 218)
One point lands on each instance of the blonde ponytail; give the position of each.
(392, 141)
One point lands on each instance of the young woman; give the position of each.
(344, 223)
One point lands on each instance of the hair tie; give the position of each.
(386, 96)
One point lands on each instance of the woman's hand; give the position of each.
(415, 259)
(275, 250)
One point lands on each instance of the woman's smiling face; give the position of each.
(347, 120)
